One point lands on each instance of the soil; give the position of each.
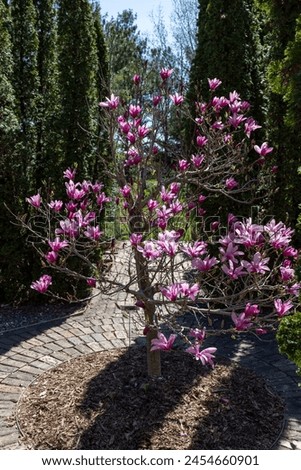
(105, 400)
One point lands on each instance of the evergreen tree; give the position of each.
(102, 85)
(284, 103)
(228, 48)
(47, 151)
(26, 86)
(126, 51)
(78, 68)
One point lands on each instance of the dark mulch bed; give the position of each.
(106, 401)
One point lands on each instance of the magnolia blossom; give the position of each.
(241, 322)
(177, 99)
(42, 284)
(111, 103)
(52, 257)
(206, 356)
(161, 343)
(214, 83)
(231, 183)
(197, 160)
(135, 239)
(233, 271)
(230, 253)
(165, 73)
(263, 150)
(282, 307)
(251, 310)
(150, 250)
(56, 205)
(70, 173)
(91, 282)
(257, 265)
(286, 273)
(198, 334)
(125, 191)
(35, 200)
(152, 205)
(183, 165)
(93, 232)
(193, 250)
(204, 264)
(201, 140)
(250, 126)
(57, 244)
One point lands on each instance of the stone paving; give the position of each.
(28, 352)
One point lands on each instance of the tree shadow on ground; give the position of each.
(132, 411)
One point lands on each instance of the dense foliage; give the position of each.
(53, 72)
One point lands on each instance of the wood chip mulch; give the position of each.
(106, 401)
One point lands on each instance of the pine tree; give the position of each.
(78, 68)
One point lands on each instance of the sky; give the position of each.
(143, 8)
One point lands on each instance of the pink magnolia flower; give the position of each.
(241, 322)
(125, 191)
(176, 207)
(231, 183)
(189, 291)
(135, 239)
(175, 188)
(234, 96)
(143, 131)
(56, 205)
(102, 199)
(286, 273)
(198, 334)
(214, 83)
(183, 165)
(91, 282)
(257, 265)
(282, 307)
(93, 232)
(52, 257)
(236, 119)
(250, 126)
(251, 310)
(136, 79)
(294, 289)
(69, 228)
(290, 252)
(150, 250)
(177, 99)
(152, 205)
(34, 201)
(263, 150)
(134, 110)
(204, 264)
(168, 246)
(42, 284)
(74, 191)
(230, 253)
(197, 160)
(233, 271)
(125, 127)
(161, 343)
(194, 250)
(206, 356)
(70, 173)
(111, 103)
(57, 244)
(156, 100)
(165, 73)
(201, 140)
(172, 292)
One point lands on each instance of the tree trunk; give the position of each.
(153, 358)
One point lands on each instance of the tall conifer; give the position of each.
(78, 67)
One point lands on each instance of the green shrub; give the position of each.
(289, 338)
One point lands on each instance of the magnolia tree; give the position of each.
(242, 270)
